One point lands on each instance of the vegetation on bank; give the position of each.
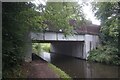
(108, 52)
(40, 47)
(45, 47)
(105, 54)
(36, 48)
(61, 73)
(17, 72)
(15, 28)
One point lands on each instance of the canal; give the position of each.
(78, 68)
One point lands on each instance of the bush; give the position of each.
(105, 54)
(45, 47)
(39, 47)
(36, 47)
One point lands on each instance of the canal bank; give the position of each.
(40, 68)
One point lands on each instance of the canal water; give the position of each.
(78, 68)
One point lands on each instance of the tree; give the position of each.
(107, 12)
(108, 53)
(17, 18)
(57, 15)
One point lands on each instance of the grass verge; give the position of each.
(58, 71)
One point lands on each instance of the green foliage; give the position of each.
(45, 47)
(14, 73)
(40, 47)
(18, 72)
(16, 25)
(36, 47)
(105, 54)
(108, 52)
(107, 12)
(12, 45)
(58, 14)
(61, 73)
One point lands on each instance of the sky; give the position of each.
(90, 15)
(86, 9)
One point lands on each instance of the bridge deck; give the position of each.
(53, 36)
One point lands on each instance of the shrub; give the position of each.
(36, 47)
(45, 47)
(105, 54)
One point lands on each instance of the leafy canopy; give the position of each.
(107, 12)
(108, 53)
(17, 20)
(56, 15)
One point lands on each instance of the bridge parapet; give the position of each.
(54, 36)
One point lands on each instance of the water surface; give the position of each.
(78, 68)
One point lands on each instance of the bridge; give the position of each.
(55, 36)
(78, 45)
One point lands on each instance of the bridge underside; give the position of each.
(75, 49)
(70, 45)
(51, 41)
(69, 48)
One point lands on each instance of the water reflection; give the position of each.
(77, 68)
